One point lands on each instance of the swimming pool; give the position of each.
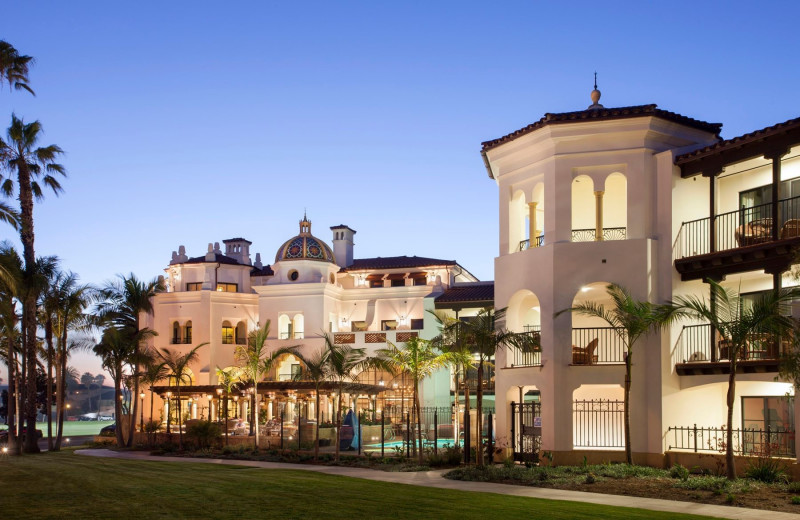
(390, 446)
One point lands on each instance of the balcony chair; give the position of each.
(756, 232)
(791, 229)
(585, 356)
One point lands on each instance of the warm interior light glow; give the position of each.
(585, 289)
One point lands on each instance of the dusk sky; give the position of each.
(187, 123)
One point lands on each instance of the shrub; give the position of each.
(204, 433)
(590, 478)
(796, 500)
(793, 487)
(766, 468)
(731, 498)
(679, 471)
(706, 483)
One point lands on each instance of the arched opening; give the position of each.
(594, 341)
(615, 207)
(176, 333)
(241, 333)
(524, 315)
(284, 327)
(187, 332)
(227, 333)
(583, 209)
(536, 211)
(288, 368)
(297, 326)
(598, 417)
(517, 222)
(187, 379)
(526, 440)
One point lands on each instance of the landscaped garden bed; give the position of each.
(677, 483)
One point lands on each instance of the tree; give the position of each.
(228, 378)
(315, 369)
(115, 349)
(630, 319)
(739, 322)
(178, 364)
(255, 362)
(11, 338)
(31, 164)
(154, 371)
(420, 360)
(121, 303)
(14, 67)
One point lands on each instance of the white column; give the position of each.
(598, 215)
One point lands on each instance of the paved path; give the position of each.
(434, 479)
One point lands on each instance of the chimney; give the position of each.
(238, 249)
(343, 245)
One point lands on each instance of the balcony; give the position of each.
(527, 358)
(526, 244)
(590, 235)
(370, 338)
(694, 355)
(597, 346)
(739, 241)
(291, 335)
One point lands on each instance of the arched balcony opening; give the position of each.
(615, 207)
(176, 333)
(241, 333)
(517, 222)
(524, 315)
(584, 215)
(594, 341)
(187, 333)
(298, 324)
(227, 333)
(284, 327)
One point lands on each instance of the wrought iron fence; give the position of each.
(527, 243)
(598, 424)
(597, 345)
(526, 431)
(589, 235)
(518, 357)
(694, 346)
(780, 443)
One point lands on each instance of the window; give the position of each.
(227, 287)
(376, 283)
(194, 286)
(187, 333)
(241, 333)
(176, 333)
(399, 283)
(420, 280)
(227, 333)
(416, 323)
(760, 198)
(388, 324)
(294, 275)
(296, 371)
(768, 418)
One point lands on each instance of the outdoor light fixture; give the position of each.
(5, 450)
(381, 382)
(219, 391)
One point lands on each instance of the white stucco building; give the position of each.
(656, 202)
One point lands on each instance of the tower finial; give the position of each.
(595, 95)
(595, 80)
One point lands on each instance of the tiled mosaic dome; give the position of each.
(305, 246)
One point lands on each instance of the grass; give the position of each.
(74, 428)
(66, 485)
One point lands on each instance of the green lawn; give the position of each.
(72, 428)
(66, 485)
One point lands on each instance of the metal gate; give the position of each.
(526, 431)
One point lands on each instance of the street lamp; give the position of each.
(219, 404)
(169, 411)
(141, 421)
(66, 414)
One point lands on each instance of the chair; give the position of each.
(446, 431)
(791, 229)
(756, 232)
(585, 356)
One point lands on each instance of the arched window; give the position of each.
(583, 209)
(298, 325)
(615, 207)
(241, 333)
(227, 333)
(187, 333)
(517, 222)
(176, 333)
(284, 327)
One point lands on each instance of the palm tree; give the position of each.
(121, 303)
(738, 323)
(32, 164)
(153, 373)
(115, 349)
(228, 378)
(255, 362)
(178, 364)
(315, 369)
(344, 363)
(630, 319)
(14, 67)
(12, 268)
(420, 360)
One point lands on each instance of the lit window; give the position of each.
(227, 287)
(227, 333)
(416, 324)
(194, 286)
(187, 333)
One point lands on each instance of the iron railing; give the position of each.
(597, 345)
(739, 228)
(694, 346)
(518, 357)
(526, 244)
(598, 424)
(589, 235)
(526, 431)
(777, 442)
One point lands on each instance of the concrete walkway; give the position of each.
(435, 479)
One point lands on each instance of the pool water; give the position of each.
(441, 443)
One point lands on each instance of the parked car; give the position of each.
(4, 435)
(109, 431)
(104, 418)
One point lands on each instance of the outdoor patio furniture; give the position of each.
(755, 232)
(446, 431)
(790, 229)
(585, 356)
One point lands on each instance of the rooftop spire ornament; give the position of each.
(595, 95)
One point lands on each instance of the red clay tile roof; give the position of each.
(237, 239)
(604, 114)
(742, 140)
(476, 293)
(264, 271)
(395, 262)
(222, 259)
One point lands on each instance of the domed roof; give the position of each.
(305, 246)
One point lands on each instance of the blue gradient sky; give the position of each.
(191, 122)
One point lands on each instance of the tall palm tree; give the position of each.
(115, 349)
(153, 373)
(255, 362)
(228, 378)
(420, 360)
(178, 364)
(315, 369)
(12, 268)
(768, 315)
(630, 319)
(121, 303)
(32, 165)
(14, 67)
